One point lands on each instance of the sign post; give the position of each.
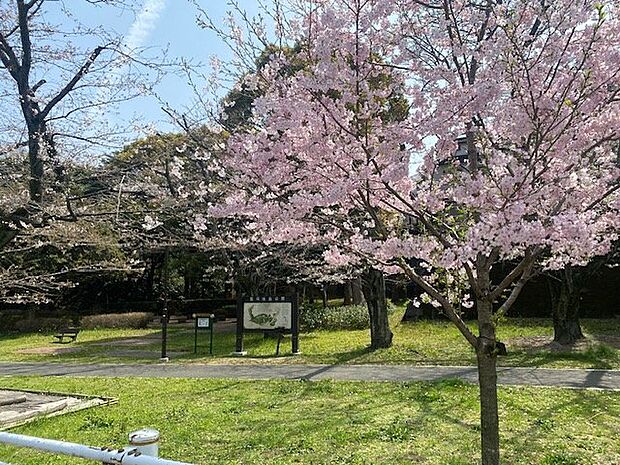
(275, 315)
(203, 321)
(164, 312)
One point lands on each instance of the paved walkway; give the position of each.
(596, 379)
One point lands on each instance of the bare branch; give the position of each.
(71, 84)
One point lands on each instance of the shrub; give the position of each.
(345, 317)
(45, 325)
(136, 320)
(349, 317)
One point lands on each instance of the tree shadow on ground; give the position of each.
(597, 356)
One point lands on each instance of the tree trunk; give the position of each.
(150, 278)
(486, 355)
(35, 191)
(187, 285)
(565, 293)
(374, 291)
(356, 292)
(6, 236)
(399, 292)
(36, 167)
(324, 290)
(348, 293)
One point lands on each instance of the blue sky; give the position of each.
(163, 24)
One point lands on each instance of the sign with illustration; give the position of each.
(267, 315)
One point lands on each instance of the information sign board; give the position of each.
(271, 315)
(204, 322)
(267, 315)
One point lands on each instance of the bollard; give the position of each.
(145, 441)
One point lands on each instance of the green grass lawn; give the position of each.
(422, 343)
(299, 422)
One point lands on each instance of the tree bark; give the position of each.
(348, 293)
(357, 293)
(188, 284)
(36, 167)
(374, 291)
(486, 355)
(325, 298)
(399, 292)
(565, 291)
(6, 236)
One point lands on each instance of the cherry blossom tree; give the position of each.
(505, 154)
(253, 42)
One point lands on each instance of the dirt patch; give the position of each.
(143, 354)
(540, 343)
(229, 325)
(286, 359)
(226, 326)
(130, 341)
(48, 350)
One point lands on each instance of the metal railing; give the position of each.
(143, 449)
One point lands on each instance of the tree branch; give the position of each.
(24, 34)
(448, 308)
(526, 263)
(71, 84)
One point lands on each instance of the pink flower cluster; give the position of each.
(533, 90)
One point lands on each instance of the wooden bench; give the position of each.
(67, 333)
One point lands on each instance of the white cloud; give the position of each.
(136, 37)
(144, 24)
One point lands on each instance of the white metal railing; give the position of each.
(143, 449)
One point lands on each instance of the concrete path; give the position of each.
(596, 379)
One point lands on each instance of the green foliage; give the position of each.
(545, 424)
(399, 430)
(457, 461)
(560, 458)
(136, 320)
(602, 352)
(34, 325)
(315, 317)
(149, 149)
(239, 102)
(95, 421)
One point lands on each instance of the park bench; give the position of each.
(67, 333)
